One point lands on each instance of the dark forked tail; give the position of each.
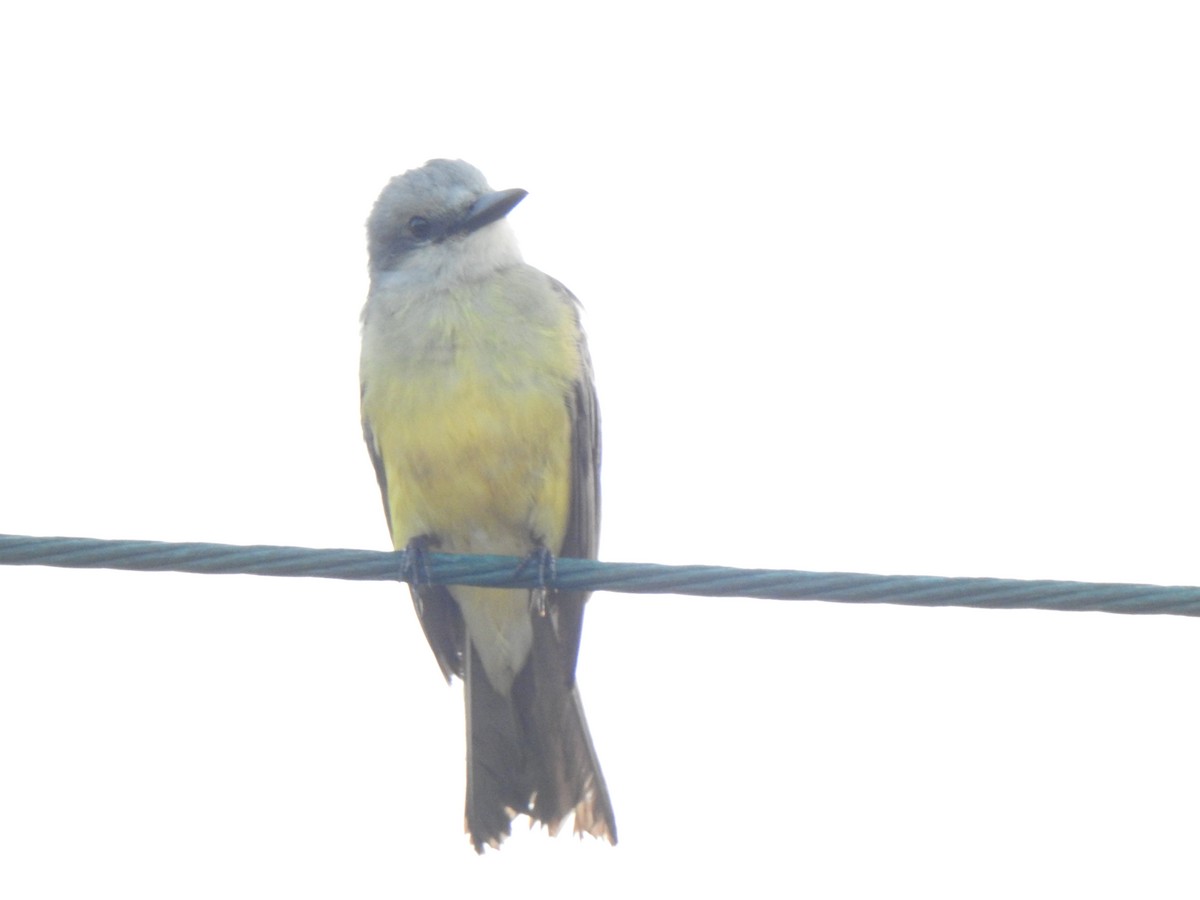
(530, 753)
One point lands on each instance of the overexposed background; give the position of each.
(897, 288)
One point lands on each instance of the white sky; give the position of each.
(898, 288)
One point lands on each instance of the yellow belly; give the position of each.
(483, 470)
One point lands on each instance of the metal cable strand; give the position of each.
(636, 578)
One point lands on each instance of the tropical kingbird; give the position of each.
(480, 416)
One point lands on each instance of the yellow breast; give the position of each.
(469, 410)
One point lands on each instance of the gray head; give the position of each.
(441, 221)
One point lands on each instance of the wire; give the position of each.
(632, 578)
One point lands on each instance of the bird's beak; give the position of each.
(490, 207)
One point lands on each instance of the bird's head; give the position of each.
(441, 222)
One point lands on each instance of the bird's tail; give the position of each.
(530, 752)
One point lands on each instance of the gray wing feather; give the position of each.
(582, 537)
(438, 613)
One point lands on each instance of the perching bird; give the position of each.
(480, 416)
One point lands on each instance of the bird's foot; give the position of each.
(415, 567)
(547, 573)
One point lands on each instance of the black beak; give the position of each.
(489, 208)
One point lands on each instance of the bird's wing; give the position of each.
(439, 614)
(582, 536)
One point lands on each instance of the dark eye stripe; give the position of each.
(419, 227)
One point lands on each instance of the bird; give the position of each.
(480, 416)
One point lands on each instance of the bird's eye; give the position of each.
(418, 227)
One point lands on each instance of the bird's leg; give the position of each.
(547, 572)
(415, 567)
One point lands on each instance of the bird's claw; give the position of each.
(547, 573)
(415, 567)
